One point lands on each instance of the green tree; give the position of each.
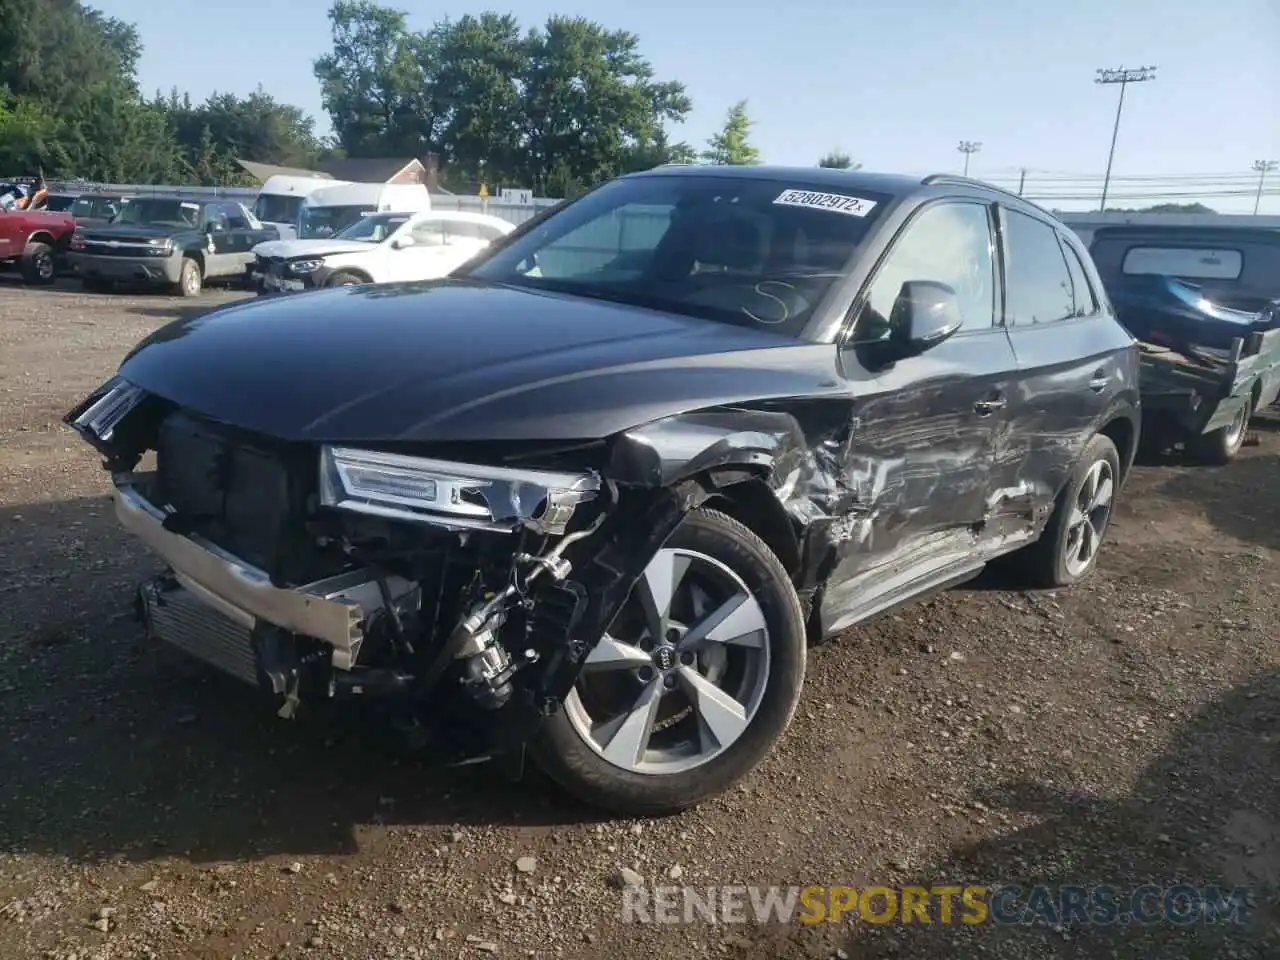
(732, 145)
(839, 160)
(372, 83)
(566, 104)
(26, 134)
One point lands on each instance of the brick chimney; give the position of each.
(431, 164)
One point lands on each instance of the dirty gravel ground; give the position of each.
(1124, 732)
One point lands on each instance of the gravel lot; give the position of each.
(1123, 732)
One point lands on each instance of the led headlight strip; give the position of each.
(459, 496)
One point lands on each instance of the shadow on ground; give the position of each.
(115, 748)
(1207, 812)
(1229, 498)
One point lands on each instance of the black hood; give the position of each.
(457, 361)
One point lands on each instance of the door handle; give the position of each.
(1099, 381)
(991, 405)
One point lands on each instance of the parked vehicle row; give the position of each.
(592, 496)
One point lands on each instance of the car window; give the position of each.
(214, 218)
(947, 243)
(467, 230)
(1086, 301)
(1184, 262)
(1037, 280)
(236, 219)
(755, 252)
(428, 233)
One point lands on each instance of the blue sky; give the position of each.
(896, 85)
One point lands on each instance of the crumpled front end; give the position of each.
(315, 570)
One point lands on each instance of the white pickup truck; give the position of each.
(381, 247)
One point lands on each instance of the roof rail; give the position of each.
(958, 180)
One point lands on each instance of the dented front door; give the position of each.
(919, 450)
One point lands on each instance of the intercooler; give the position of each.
(176, 616)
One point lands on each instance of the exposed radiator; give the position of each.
(176, 616)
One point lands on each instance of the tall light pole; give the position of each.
(1263, 167)
(969, 147)
(1123, 77)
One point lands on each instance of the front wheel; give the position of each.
(1067, 550)
(190, 279)
(696, 679)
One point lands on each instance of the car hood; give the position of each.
(453, 360)
(317, 247)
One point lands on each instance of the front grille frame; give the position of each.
(249, 495)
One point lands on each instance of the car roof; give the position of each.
(897, 185)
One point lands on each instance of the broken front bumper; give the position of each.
(240, 599)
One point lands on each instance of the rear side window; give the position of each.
(1038, 281)
(1086, 301)
(1199, 263)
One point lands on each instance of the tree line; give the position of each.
(554, 108)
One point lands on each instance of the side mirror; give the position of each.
(399, 243)
(925, 313)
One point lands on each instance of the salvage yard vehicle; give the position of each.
(33, 241)
(171, 241)
(1205, 304)
(595, 493)
(378, 248)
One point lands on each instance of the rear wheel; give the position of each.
(696, 679)
(1221, 446)
(1067, 550)
(37, 264)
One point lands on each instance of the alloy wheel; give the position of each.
(1089, 517)
(680, 674)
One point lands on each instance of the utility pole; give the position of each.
(969, 147)
(1263, 167)
(1123, 77)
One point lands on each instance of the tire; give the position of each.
(718, 551)
(1219, 447)
(190, 280)
(344, 278)
(37, 265)
(1053, 560)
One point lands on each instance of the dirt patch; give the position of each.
(1120, 733)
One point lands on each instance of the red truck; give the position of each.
(34, 241)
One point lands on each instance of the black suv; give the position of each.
(172, 241)
(596, 492)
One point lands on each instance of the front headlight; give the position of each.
(98, 414)
(305, 266)
(460, 496)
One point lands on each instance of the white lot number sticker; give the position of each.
(835, 202)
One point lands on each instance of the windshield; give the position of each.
(58, 202)
(752, 252)
(160, 212)
(274, 208)
(375, 228)
(103, 207)
(323, 222)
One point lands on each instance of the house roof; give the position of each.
(368, 169)
(264, 171)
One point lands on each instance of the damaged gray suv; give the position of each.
(594, 495)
